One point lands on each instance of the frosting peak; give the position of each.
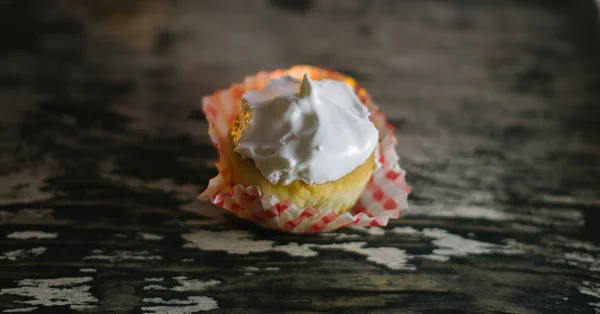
(313, 131)
(305, 88)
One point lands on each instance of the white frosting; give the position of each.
(314, 131)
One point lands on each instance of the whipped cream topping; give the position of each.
(313, 131)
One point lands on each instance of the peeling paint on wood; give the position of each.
(103, 150)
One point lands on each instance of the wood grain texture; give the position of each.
(103, 150)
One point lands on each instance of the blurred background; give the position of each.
(474, 81)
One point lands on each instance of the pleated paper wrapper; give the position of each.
(385, 194)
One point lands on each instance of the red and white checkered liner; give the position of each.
(385, 194)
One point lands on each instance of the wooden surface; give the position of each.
(103, 150)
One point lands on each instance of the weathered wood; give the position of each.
(103, 150)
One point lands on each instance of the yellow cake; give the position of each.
(339, 195)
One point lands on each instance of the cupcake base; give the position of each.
(339, 196)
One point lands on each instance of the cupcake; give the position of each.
(303, 150)
(309, 142)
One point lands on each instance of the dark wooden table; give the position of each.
(103, 149)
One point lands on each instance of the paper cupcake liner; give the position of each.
(385, 194)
